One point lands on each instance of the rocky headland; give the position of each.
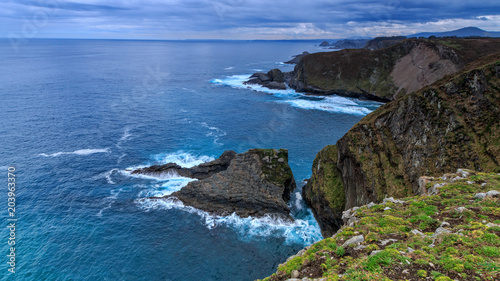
(386, 73)
(444, 223)
(255, 183)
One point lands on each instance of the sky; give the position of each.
(240, 19)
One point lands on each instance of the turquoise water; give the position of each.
(77, 115)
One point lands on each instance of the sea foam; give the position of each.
(82, 152)
(304, 231)
(334, 104)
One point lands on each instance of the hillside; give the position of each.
(470, 31)
(451, 234)
(384, 74)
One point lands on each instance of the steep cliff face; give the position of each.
(384, 74)
(454, 123)
(325, 191)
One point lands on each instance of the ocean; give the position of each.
(77, 115)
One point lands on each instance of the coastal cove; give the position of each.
(80, 115)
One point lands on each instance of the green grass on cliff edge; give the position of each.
(469, 251)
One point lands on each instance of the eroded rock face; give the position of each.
(433, 131)
(324, 191)
(255, 183)
(387, 73)
(398, 149)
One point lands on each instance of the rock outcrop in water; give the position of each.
(254, 183)
(451, 124)
(274, 79)
(202, 171)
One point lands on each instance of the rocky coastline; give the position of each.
(392, 194)
(390, 68)
(255, 183)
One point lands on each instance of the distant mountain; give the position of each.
(462, 32)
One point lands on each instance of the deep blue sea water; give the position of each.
(76, 115)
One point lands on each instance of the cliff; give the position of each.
(383, 42)
(451, 234)
(255, 183)
(453, 123)
(387, 73)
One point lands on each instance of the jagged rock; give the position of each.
(360, 247)
(492, 193)
(295, 273)
(387, 241)
(422, 184)
(324, 44)
(417, 232)
(274, 79)
(444, 224)
(247, 187)
(202, 171)
(480, 195)
(461, 209)
(463, 172)
(410, 250)
(392, 200)
(439, 231)
(354, 240)
(375, 252)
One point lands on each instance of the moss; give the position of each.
(474, 254)
(422, 273)
(275, 171)
(326, 179)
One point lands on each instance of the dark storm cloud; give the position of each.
(246, 19)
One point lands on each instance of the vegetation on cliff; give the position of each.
(452, 233)
(453, 123)
(374, 74)
(324, 192)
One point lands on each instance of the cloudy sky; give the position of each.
(240, 19)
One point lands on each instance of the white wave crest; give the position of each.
(303, 231)
(331, 105)
(237, 81)
(165, 188)
(82, 152)
(107, 175)
(214, 132)
(182, 159)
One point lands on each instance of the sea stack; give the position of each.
(254, 183)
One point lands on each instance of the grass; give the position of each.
(471, 251)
